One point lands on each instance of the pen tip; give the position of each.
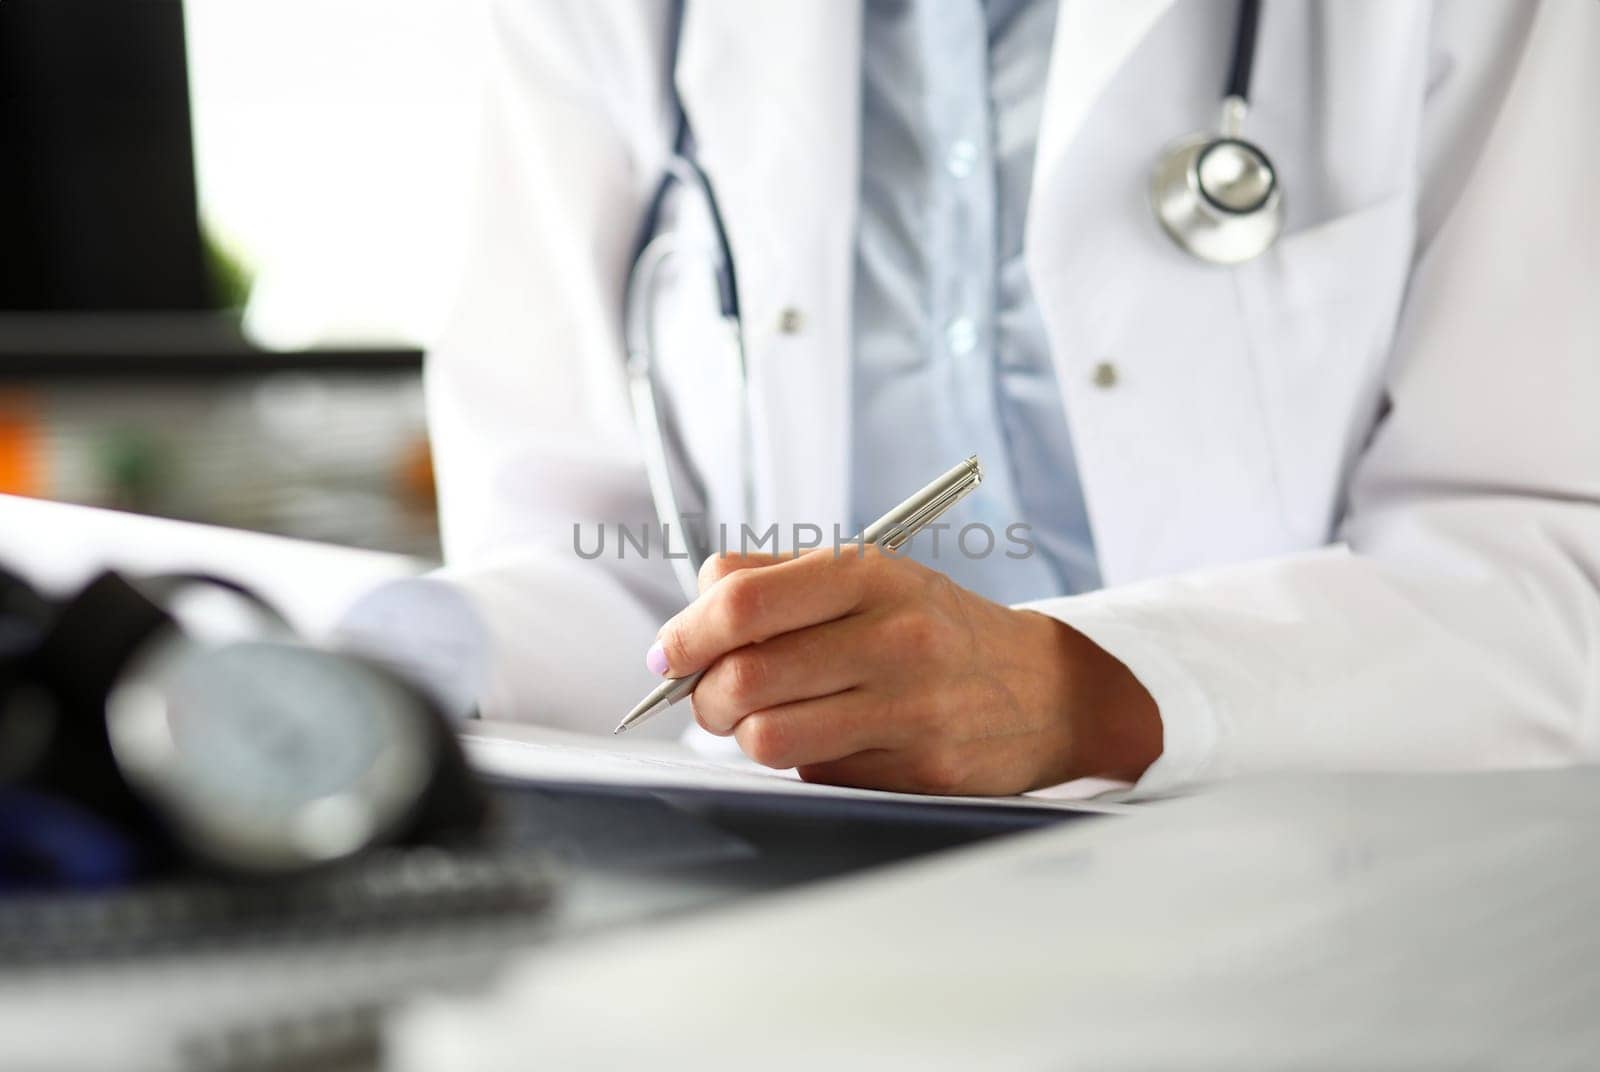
(659, 699)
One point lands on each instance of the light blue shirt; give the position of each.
(950, 353)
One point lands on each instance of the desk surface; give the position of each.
(1354, 922)
(624, 861)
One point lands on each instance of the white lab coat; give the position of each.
(1346, 496)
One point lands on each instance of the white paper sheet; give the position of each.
(518, 750)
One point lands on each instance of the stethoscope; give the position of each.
(1217, 195)
(1214, 193)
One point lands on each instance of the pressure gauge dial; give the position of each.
(270, 756)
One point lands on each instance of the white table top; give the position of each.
(1377, 921)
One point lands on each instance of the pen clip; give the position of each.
(902, 532)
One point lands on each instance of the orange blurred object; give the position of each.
(415, 473)
(22, 470)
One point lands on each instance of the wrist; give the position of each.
(1111, 725)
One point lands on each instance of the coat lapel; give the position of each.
(1093, 39)
(774, 101)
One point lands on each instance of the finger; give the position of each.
(711, 571)
(717, 567)
(817, 731)
(751, 605)
(898, 771)
(816, 661)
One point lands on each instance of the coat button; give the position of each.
(961, 335)
(1105, 375)
(791, 321)
(961, 159)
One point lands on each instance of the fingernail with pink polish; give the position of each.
(656, 659)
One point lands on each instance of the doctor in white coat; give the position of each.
(1343, 499)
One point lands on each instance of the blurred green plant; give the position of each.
(137, 469)
(231, 279)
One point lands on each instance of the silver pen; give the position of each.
(890, 532)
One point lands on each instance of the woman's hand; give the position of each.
(869, 669)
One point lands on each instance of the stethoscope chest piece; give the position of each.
(1217, 195)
